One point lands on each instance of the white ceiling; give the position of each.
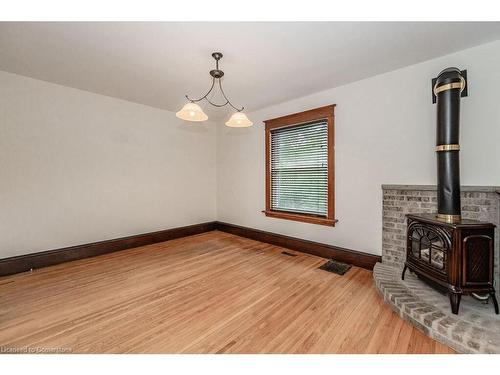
(265, 63)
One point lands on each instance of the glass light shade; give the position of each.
(239, 120)
(192, 112)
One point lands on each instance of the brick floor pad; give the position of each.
(476, 329)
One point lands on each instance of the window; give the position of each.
(299, 167)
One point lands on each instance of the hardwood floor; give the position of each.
(209, 293)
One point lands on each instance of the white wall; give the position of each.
(385, 134)
(77, 167)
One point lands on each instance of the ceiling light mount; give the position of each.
(192, 112)
(217, 73)
(217, 55)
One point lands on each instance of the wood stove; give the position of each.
(457, 256)
(451, 252)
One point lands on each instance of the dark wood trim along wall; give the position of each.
(356, 258)
(22, 263)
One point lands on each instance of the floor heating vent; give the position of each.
(336, 267)
(289, 254)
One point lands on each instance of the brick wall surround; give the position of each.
(478, 203)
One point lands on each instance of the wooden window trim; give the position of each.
(327, 113)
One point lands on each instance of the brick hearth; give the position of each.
(476, 329)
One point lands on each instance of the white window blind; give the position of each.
(299, 168)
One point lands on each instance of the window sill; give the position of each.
(302, 218)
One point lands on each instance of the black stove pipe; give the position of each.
(448, 88)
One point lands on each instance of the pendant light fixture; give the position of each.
(193, 112)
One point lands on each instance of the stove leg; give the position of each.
(495, 303)
(455, 302)
(404, 271)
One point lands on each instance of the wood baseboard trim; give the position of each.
(22, 263)
(356, 258)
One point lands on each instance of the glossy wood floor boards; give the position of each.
(209, 293)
